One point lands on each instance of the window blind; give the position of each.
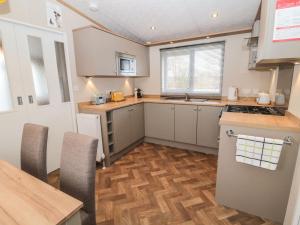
(196, 69)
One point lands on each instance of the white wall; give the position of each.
(83, 89)
(235, 68)
(293, 210)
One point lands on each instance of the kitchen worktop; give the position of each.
(25, 200)
(87, 107)
(286, 123)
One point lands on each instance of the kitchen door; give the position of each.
(34, 88)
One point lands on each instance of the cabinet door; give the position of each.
(186, 123)
(137, 122)
(121, 128)
(208, 129)
(95, 52)
(159, 121)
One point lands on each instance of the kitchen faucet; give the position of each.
(187, 97)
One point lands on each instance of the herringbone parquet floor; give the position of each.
(158, 185)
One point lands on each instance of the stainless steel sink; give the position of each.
(197, 100)
(175, 98)
(184, 99)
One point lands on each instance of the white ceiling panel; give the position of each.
(172, 18)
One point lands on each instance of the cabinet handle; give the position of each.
(20, 100)
(30, 99)
(195, 110)
(129, 110)
(199, 110)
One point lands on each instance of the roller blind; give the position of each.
(196, 69)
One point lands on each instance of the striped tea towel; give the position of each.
(258, 151)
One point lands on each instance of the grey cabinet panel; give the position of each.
(186, 123)
(122, 134)
(269, 51)
(159, 121)
(95, 52)
(208, 129)
(137, 122)
(128, 126)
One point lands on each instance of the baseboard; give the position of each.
(118, 155)
(195, 148)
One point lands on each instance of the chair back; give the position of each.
(34, 150)
(78, 170)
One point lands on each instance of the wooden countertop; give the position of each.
(25, 200)
(86, 107)
(286, 123)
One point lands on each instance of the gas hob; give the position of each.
(264, 110)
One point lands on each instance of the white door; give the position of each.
(12, 110)
(33, 88)
(44, 72)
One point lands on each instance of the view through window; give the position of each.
(196, 69)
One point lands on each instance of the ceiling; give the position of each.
(173, 19)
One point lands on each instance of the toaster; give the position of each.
(99, 99)
(117, 96)
(263, 99)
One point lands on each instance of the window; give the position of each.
(5, 96)
(62, 71)
(196, 69)
(38, 70)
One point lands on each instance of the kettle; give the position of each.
(232, 94)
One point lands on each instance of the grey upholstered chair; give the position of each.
(34, 150)
(78, 171)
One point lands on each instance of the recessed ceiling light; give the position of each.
(207, 37)
(171, 42)
(148, 42)
(153, 28)
(214, 15)
(93, 6)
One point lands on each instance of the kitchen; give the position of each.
(193, 127)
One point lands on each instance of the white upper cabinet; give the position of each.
(96, 53)
(269, 51)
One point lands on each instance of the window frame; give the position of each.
(191, 71)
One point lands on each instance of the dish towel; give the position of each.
(258, 151)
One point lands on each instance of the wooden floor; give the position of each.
(158, 185)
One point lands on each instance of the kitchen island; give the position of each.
(253, 189)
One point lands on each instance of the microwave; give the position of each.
(126, 64)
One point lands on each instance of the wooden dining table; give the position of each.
(25, 200)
